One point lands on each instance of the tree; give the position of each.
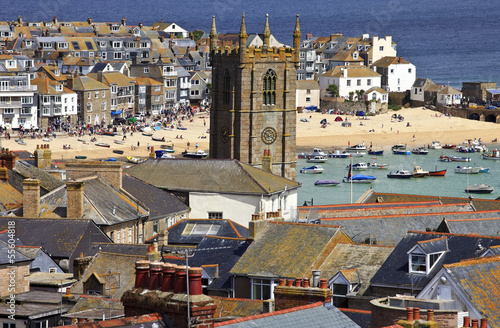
(351, 95)
(197, 34)
(359, 94)
(334, 90)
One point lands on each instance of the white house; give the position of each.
(376, 94)
(221, 189)
(307, 94)
(17, 101)
(380, 47)
(398, 75)
(449, 96)
(418, 90)
(171, 28)
(350, 79)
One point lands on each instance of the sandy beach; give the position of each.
(425, 125)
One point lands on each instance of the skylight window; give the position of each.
(75, 44)
(200, 229)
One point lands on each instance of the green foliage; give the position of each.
(209, 85)
(197, 34)
(351, 95)
(334, 90)
(394, 107)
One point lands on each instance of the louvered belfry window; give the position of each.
(269, 88)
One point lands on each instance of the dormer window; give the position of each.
(117, 44)
(355, 55)
(57, 72)
(10, 63)
(343, 283)
(423, 257)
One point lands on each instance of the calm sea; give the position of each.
(452, 184)
(449, 41)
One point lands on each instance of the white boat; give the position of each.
(480, 188)
(315, 169)
(420, 151)
(167, 155)
(376, 165)
(467, 169)
(197, 154)
(120, 142)
(135, 160)
(359, 166)
(495, 155)
(357, 148)
(418, 172)
(435, 145)
(317, 159)
(358, 178)
(317, 152)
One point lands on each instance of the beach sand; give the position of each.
(426, 125)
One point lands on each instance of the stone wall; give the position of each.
(109, 171)
(353, 106)
(19, 281)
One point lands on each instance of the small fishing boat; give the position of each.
(117, 151)
(166, 147)
(420, 151)
(317, 152)
(181, 128)
(375, 152)
(327, 183)
(80, 157)
(315, 169)
(81, 139)
(484, 169)
(449, 146)
(120, 142)
(109, 160)
(197, 154)
(400, 174)
(135, 160)
(376, 165)
(480, 188)
(358, 178)
(21, 142)
(435, 145)
(418, 172)
(147, 134)
(361, 166)
(467, 170)
(317, 159)
(47, 139)
(162, 139)
(338, 154)
(495, 155)
(401, 152)
(460, 159)
(437, 173)
(102, 144)
(356, 148)
(109, 133)
(168, 150)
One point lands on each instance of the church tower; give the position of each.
(253, 114)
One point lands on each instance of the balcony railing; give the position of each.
(10, 104)
(18, 88)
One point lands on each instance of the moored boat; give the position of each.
(495, 155)
(400, 174)
(398, 151)
(420, 151)
(337, 154)
(120, 142)
(317, 159)
(448, 146)
(327, 183)
(375, 152)
(315, 169)
(196, 154)
(418, 172)
(80, 157)
(356, 148)
(162, 139)
(480, 188)
(117, 151)
(361, 166)
(467, 169)
(147, 134)
(376, 165)
(358, 178)
(437, 173)
(102, 144)
(135, 160)
(435, 145)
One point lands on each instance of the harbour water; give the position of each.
(446, 40)
(452, 184)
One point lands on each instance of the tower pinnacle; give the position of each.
(266, 34)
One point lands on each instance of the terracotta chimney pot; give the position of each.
(416, 313)
(323, 283)
(475, 323)
(409, 314)
(484, 323)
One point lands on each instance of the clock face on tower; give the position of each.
(224, 134)
(268, 135)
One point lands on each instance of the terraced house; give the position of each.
(17, 101)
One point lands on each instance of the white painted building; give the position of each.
(381, 47)
(17, 102)
(350, 79)
(376, 94)
(398, 75)
(307, 94)
(171, 28)
(221, 189)
(449, 96)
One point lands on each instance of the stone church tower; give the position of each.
(253, 115)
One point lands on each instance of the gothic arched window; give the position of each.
(226, 88)
(269, 88)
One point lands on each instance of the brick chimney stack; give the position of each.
(4, 174)
(74, 199)
(297, 292)
(31, 198)
(267, 161)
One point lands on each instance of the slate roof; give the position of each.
(481, 226)
(288, 250)
(33, 303)
(388, 60)
(360, 317)
(307, 84)
(59, 237)
(479, 204)
(352, 71)
(10, 198)
(125, 249)
(220, 251)
(365, 259)
(226, 228)
(121, 266)
(311, 316)
(371, 209)
(6, 260)
(86, 83)
(93, 307)
(160, 202)
(394, 271)
(115, 208)
(479, 279)
(219, 176)
(48, 181)
(236, 307)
